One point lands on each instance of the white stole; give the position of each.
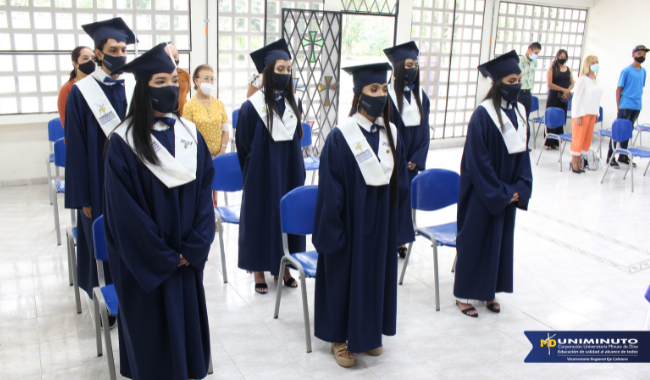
(283, 130)
(376, 171)
(410, 113)
(172, 171)
(515, 139)
(98, 102)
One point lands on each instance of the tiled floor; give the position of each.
(581, 254)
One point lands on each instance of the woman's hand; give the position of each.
(515, 198)
(223, 150)
(183, 262)
(566, 92)
(87, 212)
(411, 166)
(579, 121)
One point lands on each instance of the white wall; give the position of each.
(612, 32)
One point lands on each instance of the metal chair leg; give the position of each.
(278, 296)
(49, 174)
(607, 161)
(435, 274)
(225, 197)
(313, 176)
(98, 329)
(406, 263)
(107, 340)
(210, 369)
(646, 169)
(453, 268)
(224, 273)
(305, 307)
(57, 226)
(77, 297)
(630, 167)
(69, 247)
(561, 151)
(56, 171)
(541, 150)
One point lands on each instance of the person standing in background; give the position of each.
(82, 61)
(628, 98)
(254, 84)
(585, 110)
(183, 79)
(528, 64)
(208, 113)
(560, 83)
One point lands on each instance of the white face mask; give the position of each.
(206, 88)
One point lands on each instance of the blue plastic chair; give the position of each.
(71, 238)
(311, 162)
(431, 190)
(534, 107)
(297, 209)
(622, 131)
(227, 178)
(554, 117)
(54, 133)
(104, 296)
(601, 133)
(58, 187)
(640, 128)
(235, 118)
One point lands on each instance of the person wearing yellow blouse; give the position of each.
(208, 113)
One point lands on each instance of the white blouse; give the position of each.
(586, 97)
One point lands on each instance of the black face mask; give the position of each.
(281, 81)
(561, 61)
(164, 99)
(410, 75)
(177, 63)
(510, 92)
(113, 63)
(374, 105)
(639, 59)
(87, 67)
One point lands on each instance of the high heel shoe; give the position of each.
(573, 170)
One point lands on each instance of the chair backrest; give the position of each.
(570, 104)
(434, 189)
(554, 117)
(600, 116)
(59, 152)
(534, 104)
(622, 130)
(306, 135)
(55, 130)
(99, 239)
(297, 209)
(227, 173)
(235, 117)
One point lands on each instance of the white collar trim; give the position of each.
(366, 124)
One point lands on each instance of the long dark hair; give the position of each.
(556, 64)
(391, 142)
(76, 53)
(398, 75)
(268, 84)
(495, 95)
(140, 118)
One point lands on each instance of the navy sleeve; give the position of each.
(245, 132)
(77, 172)
(406, 232)
(419, 156)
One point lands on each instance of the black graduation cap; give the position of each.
(364, 75)
(270, 53)
(501, 66)
(402, 52)
(154, 61)
(114, 28)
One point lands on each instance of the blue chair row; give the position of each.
(58, 187)
(622, 131)
(432, 190)
(54, 133)
(235, 118)
(311, 163)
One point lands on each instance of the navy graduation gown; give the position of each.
(163, 321)
(416, 139)
(84, 174)
(269, 170)
(355, 234)
(489, 177)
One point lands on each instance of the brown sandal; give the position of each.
(376, 352)
(340, 359)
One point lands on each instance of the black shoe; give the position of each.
(625, 160)
(573, 170)
(614, 164)
(585, 164)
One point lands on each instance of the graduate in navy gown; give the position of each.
(409, 111)
(268, 138)
(98, 97)
(159, 224)
(363, 205)
(495, 180)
